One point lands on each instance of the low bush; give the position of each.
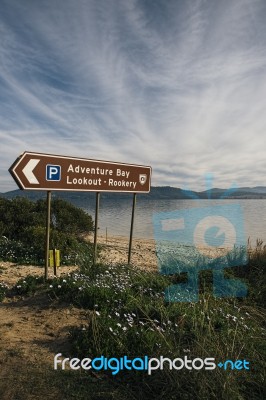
(23, 239)
(29, 285)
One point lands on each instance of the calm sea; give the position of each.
(115, 216)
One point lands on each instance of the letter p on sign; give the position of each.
(53, 172)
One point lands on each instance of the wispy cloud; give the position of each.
(176, 85)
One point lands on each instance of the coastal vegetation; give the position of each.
(23, 230)
(127, 315)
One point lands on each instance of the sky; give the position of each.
(178, 85)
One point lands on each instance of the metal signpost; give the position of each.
(96, 227)
(131, 228)
(38, 171)
(48, 220)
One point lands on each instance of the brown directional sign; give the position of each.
(37, 171)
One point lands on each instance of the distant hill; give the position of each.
(157, 192)
(164, 192)
(256, 189)
(258, 192)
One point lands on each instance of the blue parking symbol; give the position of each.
(53, 172)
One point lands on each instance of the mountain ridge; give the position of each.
(157, 192)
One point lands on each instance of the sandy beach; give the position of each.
(143, 254)
(115, 250)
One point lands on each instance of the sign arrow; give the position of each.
(28, 171)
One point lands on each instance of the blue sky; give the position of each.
(178, 85)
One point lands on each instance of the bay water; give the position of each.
(115, 215)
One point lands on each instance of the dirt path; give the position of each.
(32, 329)
(35, 326)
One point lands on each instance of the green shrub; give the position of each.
(15, 251)
(29, 285)
(70, 219)
(23, 229)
